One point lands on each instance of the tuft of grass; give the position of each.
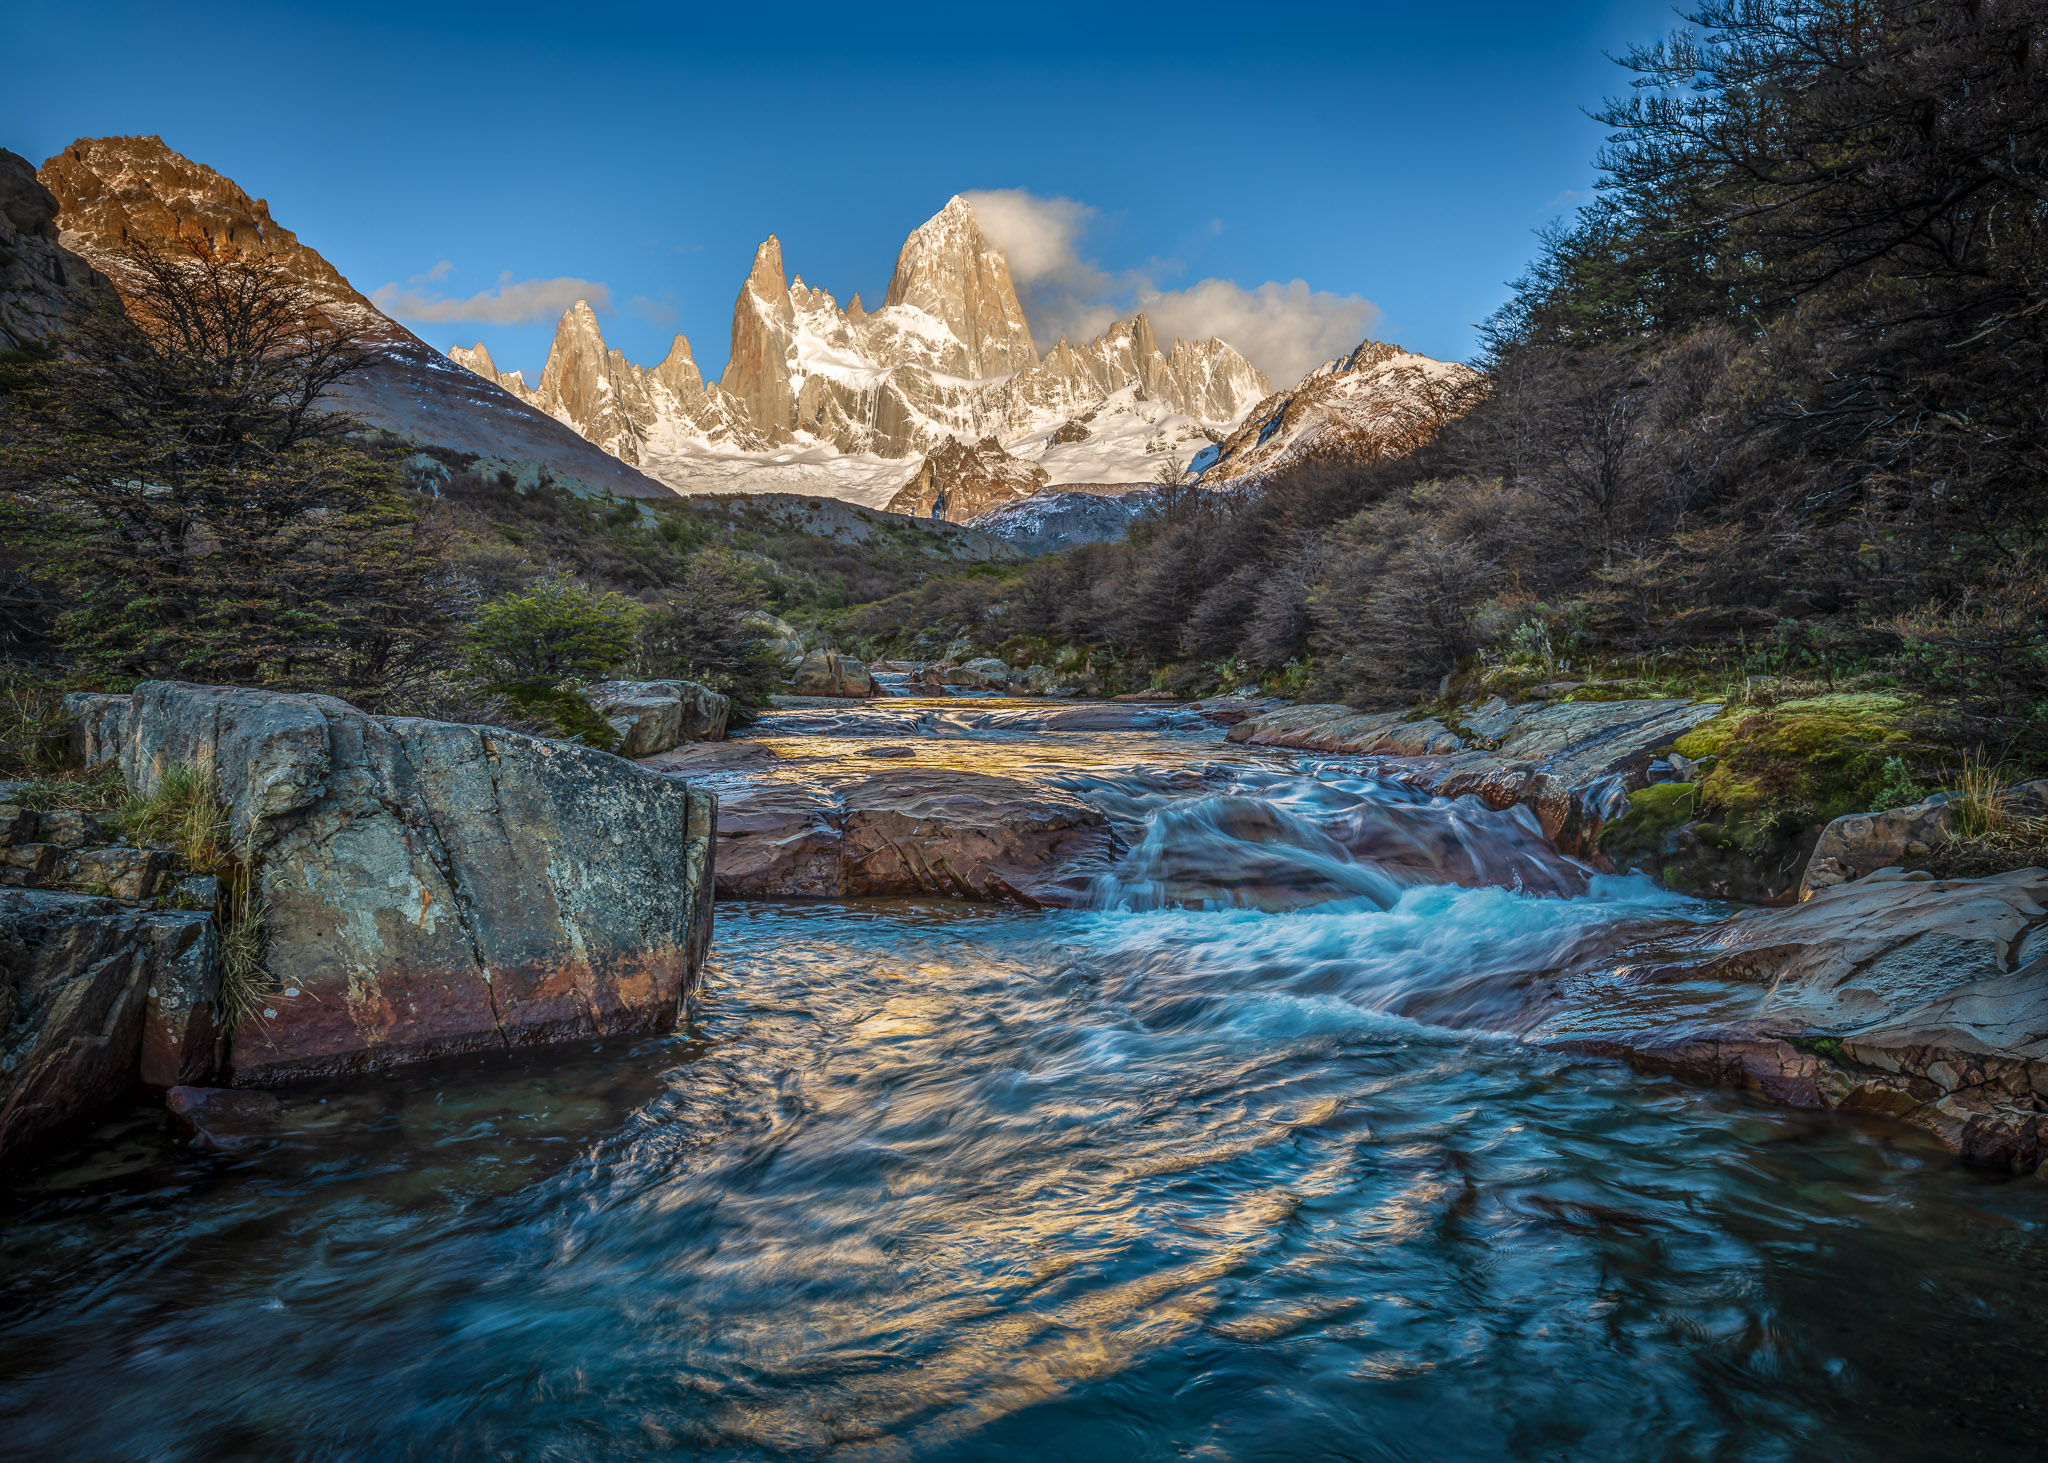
(1978, 792)
(244, 937)
(34, 740)
(89, 789)
(182, 813)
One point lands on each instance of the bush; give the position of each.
(698, 632)
(554, 631)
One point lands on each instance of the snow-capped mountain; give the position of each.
(816, 398)
(113, 191)
(1378, 401)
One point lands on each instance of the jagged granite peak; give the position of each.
(763, 331)
(115, 191)
(43, 285)
(678, 371)
(476, 358)
(947, 269)
(958, 481)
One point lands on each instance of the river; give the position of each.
(1235, 1162)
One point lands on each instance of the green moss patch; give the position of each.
(1809, 760)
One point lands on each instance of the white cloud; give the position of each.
(1284, 329)
(438, 272)
(513, 302)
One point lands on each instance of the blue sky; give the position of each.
(1396, 154)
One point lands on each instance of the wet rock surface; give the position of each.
(91, 991)
(954, 834)
(1921, 998)
(1572, 763)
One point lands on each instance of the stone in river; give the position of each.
(223, 1119)
(827, 673)
(777, 840)
(967, 835)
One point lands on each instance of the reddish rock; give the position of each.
(968, 836)
(780, 841)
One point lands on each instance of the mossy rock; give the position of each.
(1665, 834)
(1809, 760)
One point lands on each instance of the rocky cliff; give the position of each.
(43, 285)
(111, 191)
(958, 482)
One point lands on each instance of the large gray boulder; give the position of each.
(653, 716)
(430, 888)
(94, 997)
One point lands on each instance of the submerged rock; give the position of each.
(431, 888)
(222, 1119)
(92, 992)
(1922, 998)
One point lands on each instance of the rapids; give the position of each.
(1238, 1160)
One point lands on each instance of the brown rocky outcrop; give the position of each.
(1902, 994)
(777, 840)
(1859, 844)
(94, 997)
(43, 285)
(959, 481)
(960, 835)
(430, 887)
(114, 190)
(763, 331)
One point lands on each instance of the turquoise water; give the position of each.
(923, 1180)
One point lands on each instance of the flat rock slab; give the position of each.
(1919, 997)
(962, 835)
(1573, 764)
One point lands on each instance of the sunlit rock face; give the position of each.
(947, 269)
(116, 193)
(958, 482)
(43, 285)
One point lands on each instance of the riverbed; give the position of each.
(1241, 1159)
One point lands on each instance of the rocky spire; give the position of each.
(947, 269)
(763, 329)
(678, 371)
